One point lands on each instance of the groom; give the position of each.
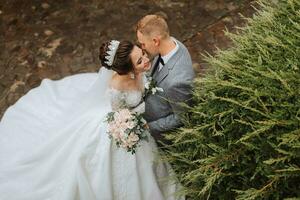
(172, 71)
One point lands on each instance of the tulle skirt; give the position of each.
(53, 147)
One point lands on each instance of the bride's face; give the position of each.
(140, 60)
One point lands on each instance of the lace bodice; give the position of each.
(127, 99)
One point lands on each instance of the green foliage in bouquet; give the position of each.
(242, 140)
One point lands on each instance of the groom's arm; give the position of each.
(177, 94)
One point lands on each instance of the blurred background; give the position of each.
(54, 39)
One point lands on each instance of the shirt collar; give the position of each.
(167, 57)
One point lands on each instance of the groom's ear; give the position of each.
(156, 41)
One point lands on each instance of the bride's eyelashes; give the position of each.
(139, 61)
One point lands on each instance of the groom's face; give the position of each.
(148, 44)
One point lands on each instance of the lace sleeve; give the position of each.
(131, 100)
(117, 100)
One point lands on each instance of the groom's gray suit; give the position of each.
(175, 77)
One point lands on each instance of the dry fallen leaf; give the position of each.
(16, 85)
(25, 62)
(45, 5)
(41, 64)
(51, 47)
(48, 32)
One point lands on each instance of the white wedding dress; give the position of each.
(54, 146)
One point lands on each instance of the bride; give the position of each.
(54, 143)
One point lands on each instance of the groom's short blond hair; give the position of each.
(153, 25)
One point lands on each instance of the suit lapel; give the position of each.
(154, 63)
(159, 76)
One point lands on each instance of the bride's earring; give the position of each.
(132, 76)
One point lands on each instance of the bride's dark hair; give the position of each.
(122, 63)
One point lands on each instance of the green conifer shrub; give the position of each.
(242, 140)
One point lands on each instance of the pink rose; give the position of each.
(123, 115)
(133, 138)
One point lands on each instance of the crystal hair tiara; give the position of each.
(111, 52)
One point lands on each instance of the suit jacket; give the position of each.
(176, 78)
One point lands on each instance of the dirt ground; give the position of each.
(54, 39)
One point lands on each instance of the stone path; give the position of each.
(54, 39)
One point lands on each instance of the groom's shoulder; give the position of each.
(183, 64)
(183, 56)
(180, 44)
(182, 50)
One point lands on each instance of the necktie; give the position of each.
(161, 61)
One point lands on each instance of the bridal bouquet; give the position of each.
(127, 129)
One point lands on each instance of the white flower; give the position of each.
(159, 89)
(147, 85)
(153, 90)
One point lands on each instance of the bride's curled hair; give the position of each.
(122, 63)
